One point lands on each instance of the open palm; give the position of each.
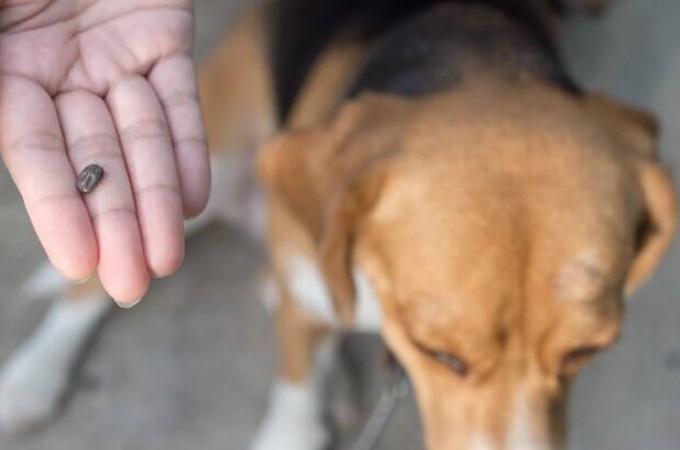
(112, 83)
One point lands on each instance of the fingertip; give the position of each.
(77, 266)
(126, 295)
(77, 275)
(71, 247)
(167, 260)
(196, 182)
(162, 226)
(122, 268)
(193, 207)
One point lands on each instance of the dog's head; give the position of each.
(500, 232)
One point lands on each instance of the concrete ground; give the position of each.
(189, 367)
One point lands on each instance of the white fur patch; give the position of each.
(480, 442)
(521, 434)
(36, 376)
(368, 312)
(293, 420)
(581, 279)
(308, 287)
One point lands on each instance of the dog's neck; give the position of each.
(449, 43)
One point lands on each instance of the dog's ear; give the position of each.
(637, 132)
(287, 166)
(658, 227)
(324, 176)
(337, 242)
(304, 168)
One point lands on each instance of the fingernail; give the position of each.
(83, 280)
(128, 305)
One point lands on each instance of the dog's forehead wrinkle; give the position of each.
(431, 316)
(457, 324)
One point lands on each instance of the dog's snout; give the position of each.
(500, 416)
(535, 422)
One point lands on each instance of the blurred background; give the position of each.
(189, 367)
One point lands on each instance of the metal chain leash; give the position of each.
(393, 392)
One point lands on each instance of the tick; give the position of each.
(89, 178)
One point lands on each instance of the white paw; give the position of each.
(291, 435)
(293, 421)
(30, 390)
(36, 376)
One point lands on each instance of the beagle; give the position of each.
(435, 177)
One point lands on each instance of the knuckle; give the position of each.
(95, 146)
(180, 99)
(38, 142)
(52, 200)
(124, 212)
(157, 189)
(199, 142)
(144, 130)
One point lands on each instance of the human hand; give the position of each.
(112, 83)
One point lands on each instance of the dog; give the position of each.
(436, 177)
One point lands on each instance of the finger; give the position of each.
(33, 150)
(174, 81)
(91, 138)
(150, 161)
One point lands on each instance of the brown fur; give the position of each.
(501, 226)
(299, 336)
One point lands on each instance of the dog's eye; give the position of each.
(576, 359)
(453, 362)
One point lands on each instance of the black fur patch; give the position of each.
(303, 28)
(441, 46)
(423, 44)
(558, 6)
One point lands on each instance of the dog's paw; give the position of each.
(293, 422)
(291, 435)
(30, 390)
(36, 376)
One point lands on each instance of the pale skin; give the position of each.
(107, 82)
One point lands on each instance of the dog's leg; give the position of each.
(238, 103)
(36, 376)
(294, 418)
